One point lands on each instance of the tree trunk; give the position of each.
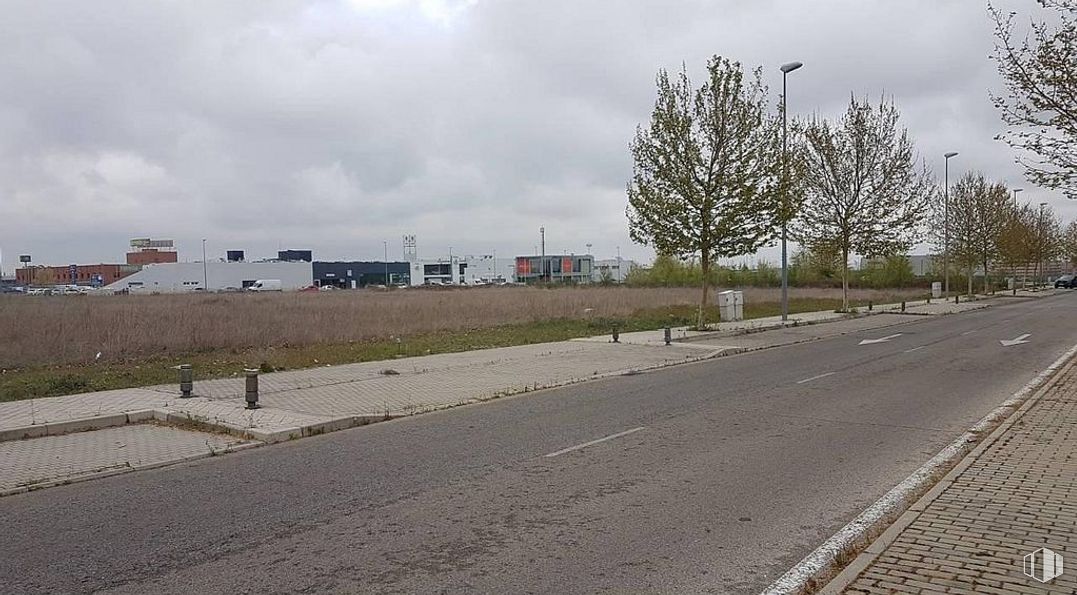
(705, 266)
(987, 280)
(972, 269)
(845, 279)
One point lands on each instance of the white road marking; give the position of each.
(913, 349)
(593, 442)
(816, 377)
(882, 340)
(1015, 341)
(969, 332)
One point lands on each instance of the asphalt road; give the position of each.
(719, 476)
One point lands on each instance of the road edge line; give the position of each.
(843, 549)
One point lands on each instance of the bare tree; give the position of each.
(1068, 244)
(862, 190)
(1018, 245)
(979, 214)
(705, 173)
(1040, 106)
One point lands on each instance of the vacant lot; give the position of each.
(37, 331)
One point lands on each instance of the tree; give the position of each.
(979, 214)
(1018, 243)
(1040, 106)
(705, 171)
(862, 190)
(1068, 243)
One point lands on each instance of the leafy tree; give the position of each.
(979, 214)
(705, 171)
(862, 190)
(1018, 242)
(1068, 243)
(1040, 106)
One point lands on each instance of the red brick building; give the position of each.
(81, 274)
(149, 251)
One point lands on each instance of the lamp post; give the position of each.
(1043, 241)
(542, 261)
(1015, 191)
(385, 245)
(205, 269)
(452, 276)
(786, 69)
(946, 226)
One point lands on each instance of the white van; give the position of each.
(265, 285)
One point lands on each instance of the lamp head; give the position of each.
(950, 154)
(790, 67)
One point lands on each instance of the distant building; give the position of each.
(555, 268)
(463, 270)
(353, 275)
(150, 251)
(93, 275)
(213, 276)
(295, 256)
(613, 269)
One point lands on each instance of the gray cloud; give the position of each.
(335, 125)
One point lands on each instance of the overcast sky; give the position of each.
(336, 125)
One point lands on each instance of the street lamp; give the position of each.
(786, 69)
(946, 226)
(385, 245)
(205, 271)
(1015, 191)
(1043, 241)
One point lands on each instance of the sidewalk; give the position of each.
(1014, 494)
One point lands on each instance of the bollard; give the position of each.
(252, 387)
(616, 335)
(1015, 292)
(668, 335)
(957, 298)
(929, 299)
(186, 376)
(902, 306)
(869, 305)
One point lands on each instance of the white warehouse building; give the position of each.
(464, 270)
(180, 277)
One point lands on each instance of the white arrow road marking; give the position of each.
(824, 375)
(882, 340)
(593, 442)
(1016, 341)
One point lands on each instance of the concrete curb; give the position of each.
(120, 469)
(877, 547)
(71, 426)
(905, 501)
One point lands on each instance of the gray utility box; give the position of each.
(731, 305)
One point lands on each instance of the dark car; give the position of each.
(1067, 281)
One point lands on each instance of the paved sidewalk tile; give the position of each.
(51, 459)
(1018, 496)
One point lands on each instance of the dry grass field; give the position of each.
(61, 330)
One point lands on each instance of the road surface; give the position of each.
(714, 477)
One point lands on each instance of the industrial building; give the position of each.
(555, 268)
(614, 270)
(94, 275)
(180, 277)
(484, 269)
(150, 251)
(353, 275)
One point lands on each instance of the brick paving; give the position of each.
(26, 464)
(1017, 495)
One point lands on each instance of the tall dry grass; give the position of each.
(40, 330)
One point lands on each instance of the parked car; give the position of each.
(1066, 281)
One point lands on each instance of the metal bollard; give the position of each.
(616, 335)
(667, 334)
(902, 306)
(1014, 291)
(252, 387)
(957, 298)
(186, 377)
(869, 305)
(929, 299)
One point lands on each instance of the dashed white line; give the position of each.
(969, 332)
(593, 442)
(824, 375)
(914, 349)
